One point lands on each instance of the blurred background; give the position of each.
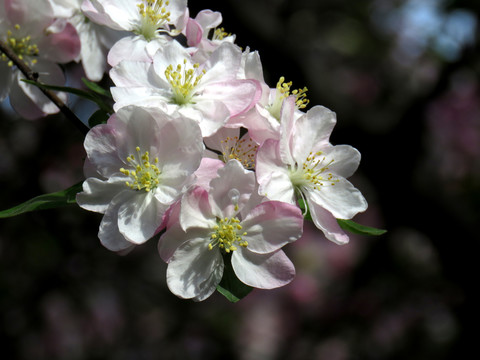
(402, 76)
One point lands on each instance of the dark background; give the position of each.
(402, 77)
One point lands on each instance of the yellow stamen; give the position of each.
(283, 91)
(243, 150)
(183, 82)
(145, 174)
(21, 46)
(313, 172)
(226, 235)
(154, 16)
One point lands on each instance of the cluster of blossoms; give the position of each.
(199, 148)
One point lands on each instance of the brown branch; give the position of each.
(33, 76)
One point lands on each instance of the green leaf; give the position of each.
(355, 228)
(96, 88)
(230, 287)
(98, 117)
(80, 93)
(46, 201)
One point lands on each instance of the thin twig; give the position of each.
(33, 76)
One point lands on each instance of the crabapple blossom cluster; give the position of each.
(198, 150)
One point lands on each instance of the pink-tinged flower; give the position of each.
(146, 18)
(263, 121)
(150, 22)
(143, 161)
(31, 32)
(203, 34)
(209, 93)
(206, 227)
(303, 164)
(96, 40)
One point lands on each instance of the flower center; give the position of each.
(146, 175)
(313, 173)
(227, 234)
(242, 150)
(21, 47)
(183, 82)
(283, 91)
(154, 15)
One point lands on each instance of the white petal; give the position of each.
(223, 64)
(109, 234)
(210, 115)
(312, 131)
(133, 73)
(196, 211)
(268, 161)
(140, 217)
(97, 194)
(232, 187)
(345, 160)
(343, 200)
(264, 271)
(102, 151)
(278, 187)
(194, 271)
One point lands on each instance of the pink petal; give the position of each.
(61, 47)
(207, 171)
(326, 222)
(271, 225)
(193, 32)
(102, 151)
(239, 96)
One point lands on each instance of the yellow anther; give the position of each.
(313, 172)
(145, 175)
(220, 34)
(225, 235)
(283, 91)
(154, 16)
(184, 82)
(21, 47)
(243, 150)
